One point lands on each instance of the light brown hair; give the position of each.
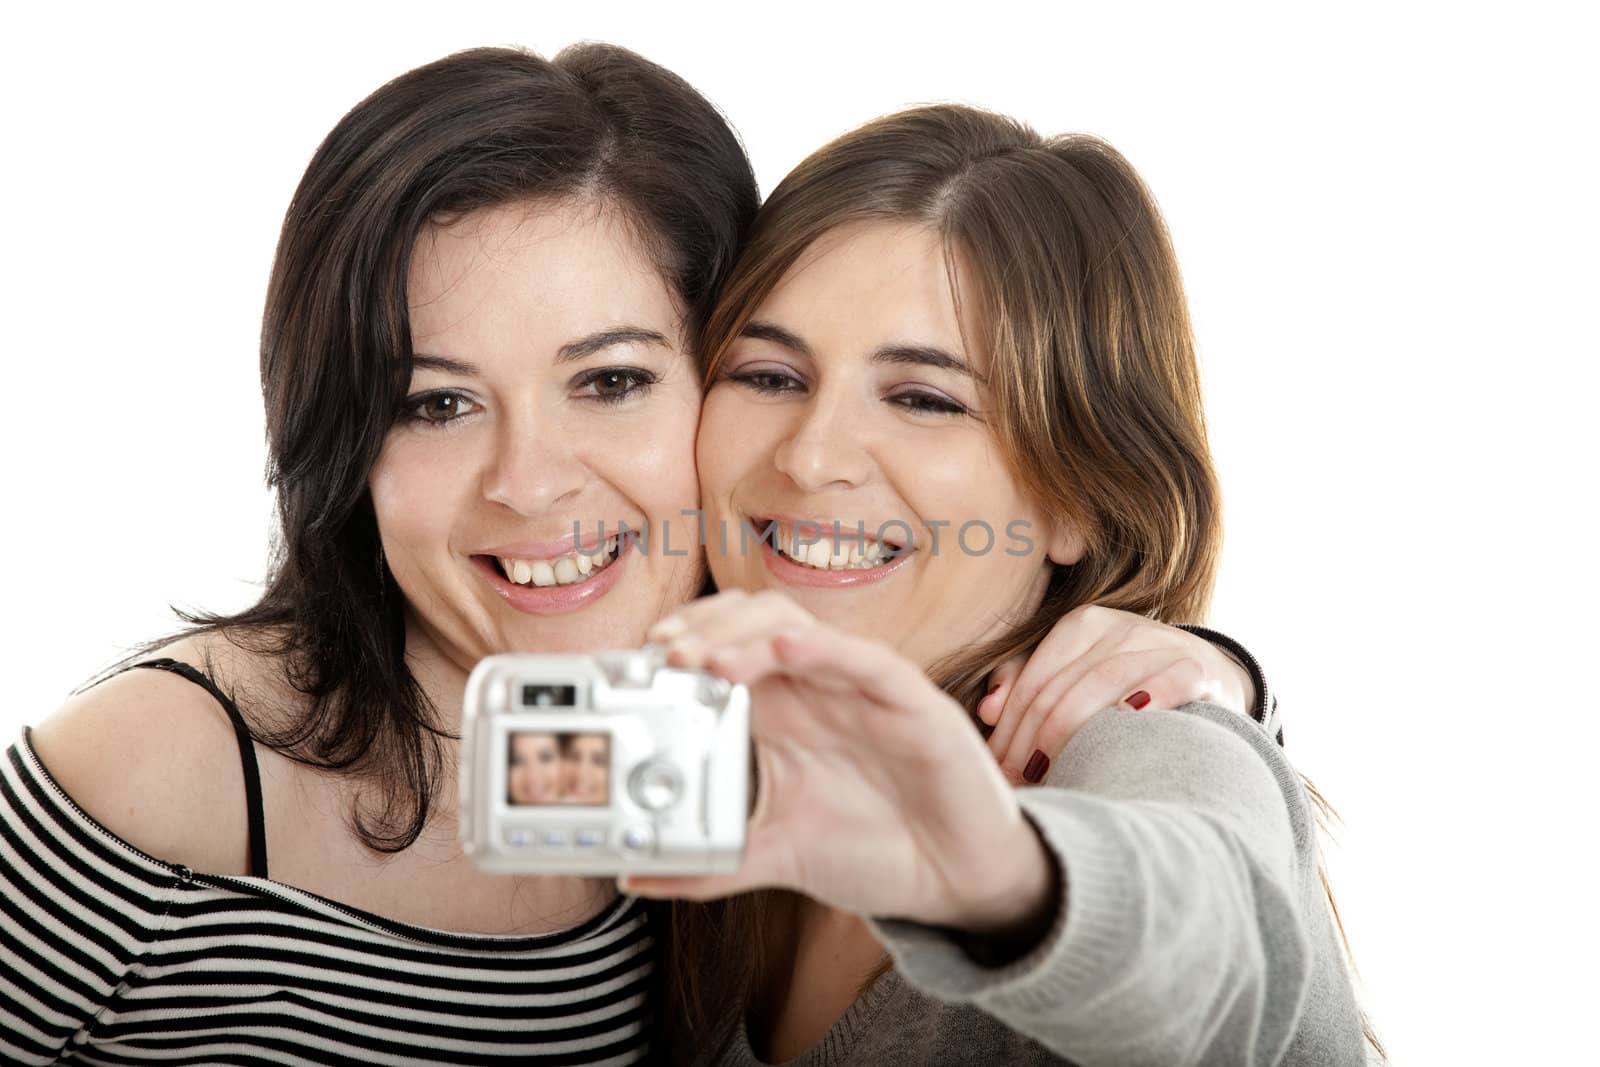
(1094, 397)
(1094, 394)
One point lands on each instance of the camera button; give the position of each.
(518, 837)
(655, 785)
(590, 838)
(553, 839)
(638, 839)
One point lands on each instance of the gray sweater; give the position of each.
(1192, 927)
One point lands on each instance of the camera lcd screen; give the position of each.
(558, 768)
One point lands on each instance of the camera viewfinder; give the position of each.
(549, 696)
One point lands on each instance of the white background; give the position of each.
(1387, 225)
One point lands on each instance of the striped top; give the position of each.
(108, 955)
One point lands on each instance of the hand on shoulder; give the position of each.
(153, 757)
(1096, 658)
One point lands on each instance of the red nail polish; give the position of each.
(1139, 700)
(1038, 763)
(993, 689)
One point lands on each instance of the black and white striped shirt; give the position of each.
(108, 955)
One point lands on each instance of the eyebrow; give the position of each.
(572, 350)
(419, 361)
(621, 335)
(919, 355)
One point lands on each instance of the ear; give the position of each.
(1064, 541)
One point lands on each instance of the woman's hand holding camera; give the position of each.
(875, 794)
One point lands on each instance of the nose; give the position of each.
(826, 450)
(534, 466)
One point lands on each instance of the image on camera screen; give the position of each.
(558, 768)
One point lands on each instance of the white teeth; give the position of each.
(846, 554)
(565, 570)
(818, 553)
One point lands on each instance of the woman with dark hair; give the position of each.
(944, 322)
(479, 327)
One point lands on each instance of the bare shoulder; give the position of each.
(154, 758)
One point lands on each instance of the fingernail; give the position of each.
(1139, 700)
(1038, 763)
(993, 689)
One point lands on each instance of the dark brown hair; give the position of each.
(1094, 397)
(474, 130)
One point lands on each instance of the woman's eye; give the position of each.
(928, 404)
(613, 385)
(439, 408)
(766, 382)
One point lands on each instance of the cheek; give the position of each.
(734, 442)
(652, 460)
(953, 481)
(414, 501)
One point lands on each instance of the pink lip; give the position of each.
(554, 599)
(789, 572)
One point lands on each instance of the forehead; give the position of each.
(873, 281)
(532, 273)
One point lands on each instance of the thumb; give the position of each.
(1001, 679)
(703, 887)
(759, 869)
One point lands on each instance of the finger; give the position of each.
(766, 864)
(1175, 686)
(1022, 720)
(1001, 679)
(744, 662)
(1069, 640)
(833, 659)
(762, 615)
(1050, 723)
(707, 887)
(693, 614)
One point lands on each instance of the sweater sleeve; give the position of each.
(1191, 929)
(77, 910)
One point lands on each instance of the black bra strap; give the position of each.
(247, 756)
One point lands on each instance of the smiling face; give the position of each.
(550, 387)
(851, 396)
(534, 771)
(588, 775)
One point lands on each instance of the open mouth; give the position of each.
(570, 569)
(813, 545)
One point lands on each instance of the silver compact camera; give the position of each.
(603, 764)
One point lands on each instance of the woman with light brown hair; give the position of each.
(944, 322)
